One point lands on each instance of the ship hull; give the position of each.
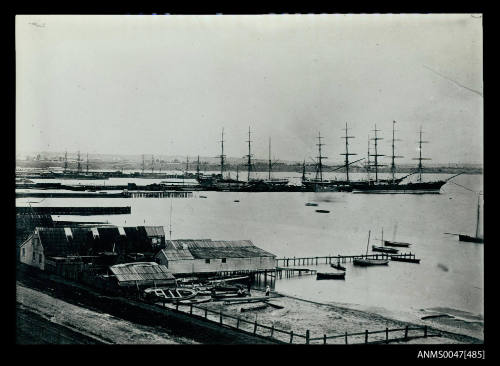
(470, 239)
(409, 188)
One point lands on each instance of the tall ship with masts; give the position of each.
(318, 184)
(396, 185)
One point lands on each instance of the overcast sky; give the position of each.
(169, 84)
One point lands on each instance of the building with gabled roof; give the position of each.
(186, 257)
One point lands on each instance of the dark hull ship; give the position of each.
(395, 186)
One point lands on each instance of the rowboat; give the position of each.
(384, 249)
(404, 259)
(389, 243)
(330, 275)
(369, 262)
(323, 211)
(311, 204)
(337, 266)
(169, 294)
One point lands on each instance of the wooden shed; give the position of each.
(212, 256)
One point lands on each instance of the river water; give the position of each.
(449, 277)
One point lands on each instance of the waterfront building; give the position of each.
(206, 256)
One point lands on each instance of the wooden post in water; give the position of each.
(238, 323)
(386, 335)
(307, 336)
(255, 327)
(291, 336)
(206, 313)
(366, 336)
(406, 332)
(345, 337)
(272, 330)
(324, 338)
(190, 308)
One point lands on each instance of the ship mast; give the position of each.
(65, 161)
(304, 171)
(222, 156)
(376, 155)
(87, 163)
(420, 158)
(368, 160)
(79, 169)
(346, 137)
(198, 167)
(237, 172)
(187, 164)
(270, 165)
(249, 156)
(152, 163)
(319, 171)
(143, 164)
(393, 165)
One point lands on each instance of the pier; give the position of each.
(124, 194)
(124, 210)
(294, 261)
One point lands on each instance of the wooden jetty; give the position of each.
(297, 261)
(290, 272)
(42, 210)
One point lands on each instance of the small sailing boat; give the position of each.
(398, 244)
(384, 249)
(369, 261)
(476, 238)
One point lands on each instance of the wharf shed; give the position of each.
(185, 257)
(142, 274)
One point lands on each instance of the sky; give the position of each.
(165, 84)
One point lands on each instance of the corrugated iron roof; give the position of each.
(177, 254)
(154, 230)
(55, 242)
(141, 271)
(206, 249)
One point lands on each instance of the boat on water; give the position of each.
(169, 294)
(389, 243)
(395, 185)
(330, 275)
(369, 261)
(477, 238)
(384, 249)
(323, 211)
(311, 204)
(404, 259)
(337, 266)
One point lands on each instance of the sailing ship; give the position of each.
(395, 185)
(476, 238)
(318, 184)
(369, 261)
(222, 183)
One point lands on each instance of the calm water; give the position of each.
(283, 225)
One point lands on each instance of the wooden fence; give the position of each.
(285, 336)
